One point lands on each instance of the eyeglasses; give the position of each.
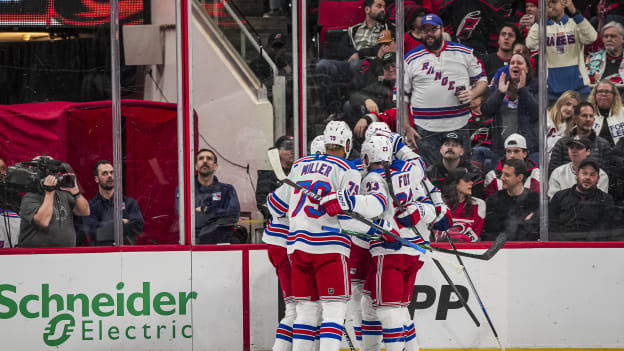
(604, 92)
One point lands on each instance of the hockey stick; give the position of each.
(462, 300)
(281, 176)
(346, 334)
(474, 290)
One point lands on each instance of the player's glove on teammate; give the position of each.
(410, 215)
(338, 202)
(389, 242)
(444, 222)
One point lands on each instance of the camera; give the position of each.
(28, 176)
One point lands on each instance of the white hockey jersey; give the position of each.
(406, 191)
(321, 174)
(431, 80)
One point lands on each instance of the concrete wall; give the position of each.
(232, 120)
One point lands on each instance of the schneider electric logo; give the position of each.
(97, 313)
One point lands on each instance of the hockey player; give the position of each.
(391, 281)
(275, 235)
(402, 152)
(320, 279)
(317, 146)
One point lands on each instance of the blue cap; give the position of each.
(432, 19)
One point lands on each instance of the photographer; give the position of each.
(9, 205)
(48, 215)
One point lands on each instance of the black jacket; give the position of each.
(518, 216)
(381, 92)
(600, 149)
(576, 216)
(439, 176)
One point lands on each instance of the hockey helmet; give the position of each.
(338, 133)
(376, 128)
(376, 149)
(318, 145)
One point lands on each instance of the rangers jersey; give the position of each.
(276, 231)
(431, 81)
(407, 191)
(321, 174)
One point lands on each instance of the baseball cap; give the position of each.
(277, 40)
(432, 19)
(515, 140)
(589, 162)
(534, 2)
(583, 141)
(388, 57)
(452, 136)
(285, 142)
(385, 36)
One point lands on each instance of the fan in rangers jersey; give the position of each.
(439, 79)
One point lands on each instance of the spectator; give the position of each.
(371, 66)
(584, 123)
(513, 210)
(360, 36)
(508, 34)
(530, 17)
(514, 106)
(583, 212)
(9, 205)
(99, 225)
(377, 97)
(607, 63)
(515, 148)
(452, 152)
(216, 204)
(468, 212)
(333, 74)
(564, 176)
(438, 79)
(267, 181)
(560, 117)
(413, 27)
(609, 119)
(481, 136)
(472, 21)
(47, 216)
(608, 11)
(565, 40)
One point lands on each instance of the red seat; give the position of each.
(337, 14)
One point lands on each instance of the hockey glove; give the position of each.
(444, 220)
(389, 242)
(337, 202)
(409, 217)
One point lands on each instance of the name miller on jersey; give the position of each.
(316, 167)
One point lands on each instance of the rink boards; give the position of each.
(225, 298)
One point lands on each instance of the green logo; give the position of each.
(59, 329)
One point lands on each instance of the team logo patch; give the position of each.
(216, 196)
(330, 291)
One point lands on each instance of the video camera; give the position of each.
(28, 176)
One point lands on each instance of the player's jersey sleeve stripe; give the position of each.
(277, 204)
(381, 199)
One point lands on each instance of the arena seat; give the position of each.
(337, 15)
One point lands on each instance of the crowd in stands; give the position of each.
(472, 114)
